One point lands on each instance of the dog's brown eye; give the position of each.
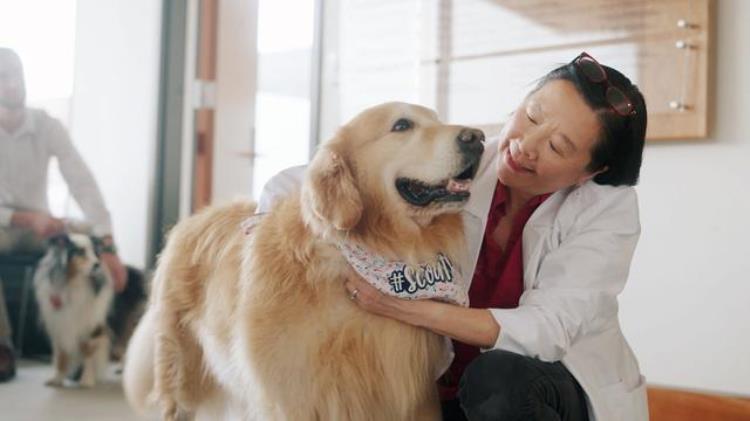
(402, 125)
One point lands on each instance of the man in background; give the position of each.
(29, 138)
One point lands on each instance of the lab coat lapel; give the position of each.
(538, 236)
(476, 209)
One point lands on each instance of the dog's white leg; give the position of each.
(60, 361)
(88, 378)
(92, 350)
(101, 357)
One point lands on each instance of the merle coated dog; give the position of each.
(84, 318)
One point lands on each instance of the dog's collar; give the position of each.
(439, 280)
(249, 224)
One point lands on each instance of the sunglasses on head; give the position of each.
(594, 72)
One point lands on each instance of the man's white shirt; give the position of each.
(24, 161)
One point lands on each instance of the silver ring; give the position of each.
(354, 293)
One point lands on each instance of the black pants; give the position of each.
(501, 385)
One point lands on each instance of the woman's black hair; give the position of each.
(621, 138)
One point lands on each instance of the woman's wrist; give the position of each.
(414, 312)
(469, 325)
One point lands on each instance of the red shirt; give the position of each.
(497, 281)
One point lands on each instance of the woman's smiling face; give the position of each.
(546, 145)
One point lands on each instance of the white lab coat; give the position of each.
(577, 249)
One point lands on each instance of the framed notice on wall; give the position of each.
(475, 60)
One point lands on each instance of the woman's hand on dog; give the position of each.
(371, 300)
(474, 326)
(368, 298)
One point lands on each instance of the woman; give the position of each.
(551, 224)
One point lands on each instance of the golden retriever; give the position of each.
(260, 324)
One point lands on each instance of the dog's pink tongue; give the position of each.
(457, 186)
(56, 301)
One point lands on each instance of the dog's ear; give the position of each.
(60, 240)
(331, 192)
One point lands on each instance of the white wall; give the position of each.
(686, 308)
(114, 112)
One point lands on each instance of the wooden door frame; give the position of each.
(204, 114)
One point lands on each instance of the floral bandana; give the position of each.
(440, 280)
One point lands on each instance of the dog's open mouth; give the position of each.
(454, 189)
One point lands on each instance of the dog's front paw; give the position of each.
(54, 382)
(87, 383)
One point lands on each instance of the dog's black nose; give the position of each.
(471, 142)
(470, 136)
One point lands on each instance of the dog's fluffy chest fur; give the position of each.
(288, 330)
(80, 312)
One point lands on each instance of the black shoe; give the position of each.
(7, 363)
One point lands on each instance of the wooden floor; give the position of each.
(675, 405)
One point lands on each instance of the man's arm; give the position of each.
(40, 223)
(80, 180)
(86, 192)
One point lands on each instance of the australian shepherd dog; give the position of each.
(87, 324)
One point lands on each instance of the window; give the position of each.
(474, 60)
(284, 87)
(48, 68)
